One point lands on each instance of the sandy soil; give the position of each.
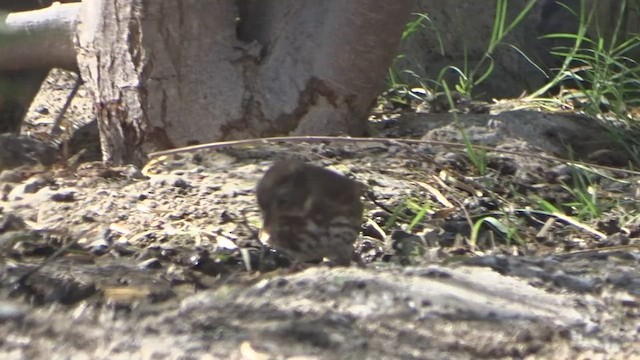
(165, 262)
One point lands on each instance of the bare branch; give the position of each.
(39, 38)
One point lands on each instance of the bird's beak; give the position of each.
(263, 235)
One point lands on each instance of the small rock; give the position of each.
(41, 109)
(17, 193)
(152, 263)
(430, 272)
(393, 150)
(31, 186)
(11, 222)
(99, 247)
(28, 243)
(405, 243)
(168, 180)
(11, 311)
(34, 184)
(9, 239)
(64, 195)
(560, 173)
(11, 175)
(133, 172)
(577, 284)
(447, 159)
(630, 303)
(208, 189)
(224, 242)
(373, 230)
(5, 189)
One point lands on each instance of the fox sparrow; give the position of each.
(310, 212)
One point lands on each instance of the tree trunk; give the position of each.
(167, 74)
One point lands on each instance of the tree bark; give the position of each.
(324, 63)
(172, 73)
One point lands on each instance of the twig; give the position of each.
(580, 225)
(297, 139)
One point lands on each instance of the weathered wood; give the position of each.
(323, 63)
(31, 43)
(39, 38)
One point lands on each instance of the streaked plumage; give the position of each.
(310, 212)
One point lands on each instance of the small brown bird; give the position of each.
(309, 212)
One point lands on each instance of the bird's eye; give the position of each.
(283, 198)
(284, 201)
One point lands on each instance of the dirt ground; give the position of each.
(165, 262)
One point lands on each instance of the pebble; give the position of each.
(99, 247)
(12, 222)
(10, 310)
(64, 195)
(373, 230)
(133, 172)
(10, 175)
(152, 263)
(31, 186)
(41, 109)
(168, 180)
(576, 283)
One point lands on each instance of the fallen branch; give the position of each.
(39, 38)
(388, 141)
